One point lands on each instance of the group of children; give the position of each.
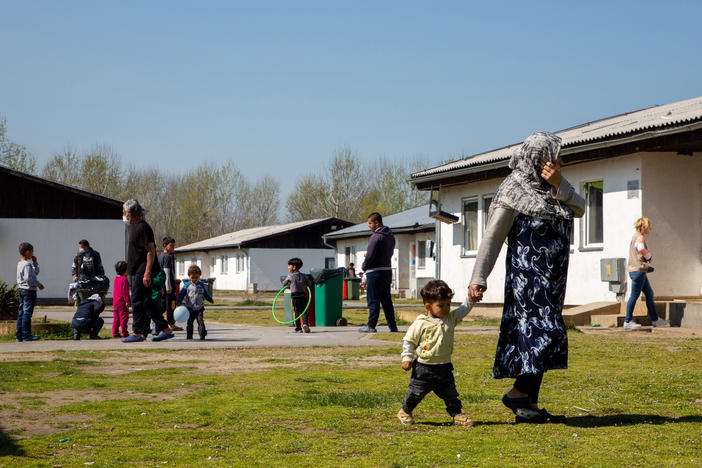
(426, 350)
(87, 318)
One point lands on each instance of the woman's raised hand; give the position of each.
(551, 173)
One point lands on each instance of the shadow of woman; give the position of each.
(628, 420)
(8, 446)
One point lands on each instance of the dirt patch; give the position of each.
(34, 422)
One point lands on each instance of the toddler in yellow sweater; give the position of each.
(430, 338)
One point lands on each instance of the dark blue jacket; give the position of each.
(380, 249)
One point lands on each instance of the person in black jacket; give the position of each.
(377, 268)
(87, 263)
(87, 318)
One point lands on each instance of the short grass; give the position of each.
(630, 402)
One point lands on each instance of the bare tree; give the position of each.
(15, 155)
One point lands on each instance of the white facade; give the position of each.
(411, 268)
(55, 244)
(234, 269)
(665, 187)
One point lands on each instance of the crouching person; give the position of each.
(87, 318)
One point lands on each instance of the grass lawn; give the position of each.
(641, 400)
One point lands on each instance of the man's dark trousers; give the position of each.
(378, 294)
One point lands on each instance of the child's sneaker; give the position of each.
(462, 419)
(405, 418)
(660, 322)
(631, 325)
(305, 328)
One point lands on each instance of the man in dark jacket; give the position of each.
(87, 263)
(378, 273)
(87, 317)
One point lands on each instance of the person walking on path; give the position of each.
(378, 274)
(142, 266)
(639, 266)
(167, 262)
(534, 209)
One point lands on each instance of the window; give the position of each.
(593, 223)
(180, 268)
(487, 201)
(239, 262)
(213, 265)
(329, 262)
(470, 225)
(224, 264)
(421, 254)
(347, 256)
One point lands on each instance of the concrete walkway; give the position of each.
(219, 335)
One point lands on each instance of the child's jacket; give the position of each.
(27, 271)
(194, 295)
(298, 282)
(431, 338)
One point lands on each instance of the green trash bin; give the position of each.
(208, 284)
(328, 296)
(353, 288)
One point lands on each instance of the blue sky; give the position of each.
(279, 86)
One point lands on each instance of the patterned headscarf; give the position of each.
(524, 190)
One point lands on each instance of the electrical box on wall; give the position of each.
(613, 271)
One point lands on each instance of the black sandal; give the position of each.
(528, 415)
(516, 404)
(552, 418)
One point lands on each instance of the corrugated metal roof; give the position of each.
(247, 235)
(669, 115)
(413, 218)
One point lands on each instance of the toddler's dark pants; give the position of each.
(299, 302)
(199, 316)
(437, 378)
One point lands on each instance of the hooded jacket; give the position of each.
(380, 248)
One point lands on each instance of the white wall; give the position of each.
(55, 244)
(584, 283)
(268, 265)
(672, 199)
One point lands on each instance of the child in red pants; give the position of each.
(120, 301)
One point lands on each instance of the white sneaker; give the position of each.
(632, 325)
(660, 322)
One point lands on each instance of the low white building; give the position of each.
(53, 217)
(644, 163)
(259, 255)
(413, 258)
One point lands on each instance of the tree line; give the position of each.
(216, 198)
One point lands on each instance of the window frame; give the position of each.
(465, 253)
(485, 212)
(224, 264)
(585, 244)
(421, 254)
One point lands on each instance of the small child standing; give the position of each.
(120, 301)
(298, 283)
(430, 337)
(27, 285)
(194, 294)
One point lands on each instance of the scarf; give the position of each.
(524, 190)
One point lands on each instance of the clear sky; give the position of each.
(279, 86)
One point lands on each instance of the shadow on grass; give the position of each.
(9, 447)
(628, 420)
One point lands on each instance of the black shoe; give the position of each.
(189, 337)
(95, 338)
(394, 330)
(528, 415)
(515, 404)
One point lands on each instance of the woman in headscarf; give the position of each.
(533, 209)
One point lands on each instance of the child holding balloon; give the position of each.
(195, 295)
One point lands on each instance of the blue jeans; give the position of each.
(27, 300)
(87, 325)
(639, 284)
(378, 294)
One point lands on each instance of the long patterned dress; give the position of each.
(533, 336)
